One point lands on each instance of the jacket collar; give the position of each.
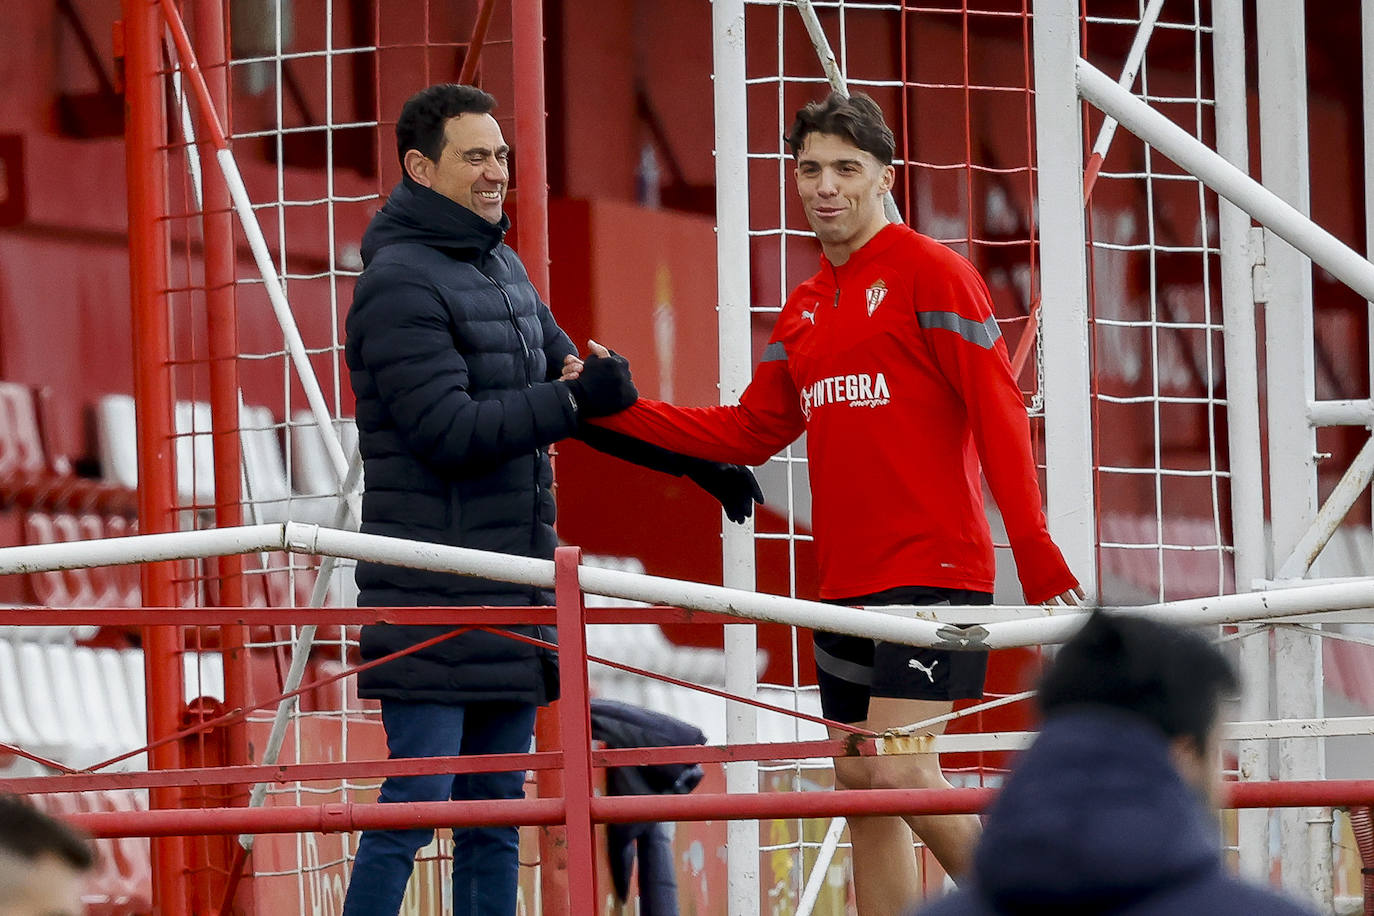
(416, 214)
(869, 252)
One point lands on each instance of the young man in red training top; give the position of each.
(891, 361)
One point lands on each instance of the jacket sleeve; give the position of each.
(406, 344)
(635, 451)
(958, 324)
(766, 420)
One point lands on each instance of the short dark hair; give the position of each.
(29, 834)
(421, 123)
(1168, 676)
(857, 118)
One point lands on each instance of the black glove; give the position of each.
(604, 387)
(733, 484)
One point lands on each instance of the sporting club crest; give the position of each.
(874, 296)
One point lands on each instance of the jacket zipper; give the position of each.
(529, 383)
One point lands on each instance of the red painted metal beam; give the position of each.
(628, 809)
(145, 167)
(543, 762)
(575, 724)
(531, 161)
(479, 38)
(216, 859)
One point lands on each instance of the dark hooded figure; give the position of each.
(1111, 810)
(621, 725)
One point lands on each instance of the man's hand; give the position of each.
(572, 368)
(1072, 598)
(602, 385)
(733, 484)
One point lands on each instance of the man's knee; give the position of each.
(907, 771)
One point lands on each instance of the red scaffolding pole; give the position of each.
(145, 164)
(216, 859)
(531, 164)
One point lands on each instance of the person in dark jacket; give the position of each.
(463, 380)
(1111, 809)
(621, 725)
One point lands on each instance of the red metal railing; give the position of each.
(578, 808)
(145, 160)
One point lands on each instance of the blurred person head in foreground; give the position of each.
(43, 862)
(1112, 809)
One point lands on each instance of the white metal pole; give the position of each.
(1242, 411)
(821, 868)
(1281, 41)
(305, 639)
(1268, 207)
(735, 343)
(295, 346)
(1342, 411)
(837, 81)
(1134, 58)
(893, 624)
(1064, 292)
(1338, 504)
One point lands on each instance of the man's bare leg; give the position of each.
(885, 877)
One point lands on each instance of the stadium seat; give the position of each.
(204, 674)
(267, 492)
(80, 583)
(98, 704)
(50, 589)
(126, 720)
(82, 715)
(15, 727)
(127, 576)
(131, 856)
(109, 591)
(135, 681)
(21, 446)
(195, 454)
(41, 701)
(117, 443)
(117, 439)
(312, 473)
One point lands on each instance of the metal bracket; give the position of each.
(1261, 285)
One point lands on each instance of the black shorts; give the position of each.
(850, 669)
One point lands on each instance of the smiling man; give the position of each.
(463, 380)
(891, 361)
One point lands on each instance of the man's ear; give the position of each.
(889, 176)
(419, 167)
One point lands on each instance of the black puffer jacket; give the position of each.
(451, 353)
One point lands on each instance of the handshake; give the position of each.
(600, 384)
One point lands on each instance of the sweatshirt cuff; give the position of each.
(1041, 568)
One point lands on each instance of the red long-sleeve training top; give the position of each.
(894, 366)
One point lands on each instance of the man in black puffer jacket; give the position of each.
(1110, 810)
(463, 380)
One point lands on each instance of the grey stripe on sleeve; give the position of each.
(774, 352)
(982, 333)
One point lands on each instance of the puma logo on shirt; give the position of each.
(927, 671)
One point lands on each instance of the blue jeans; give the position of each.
(485, 859)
